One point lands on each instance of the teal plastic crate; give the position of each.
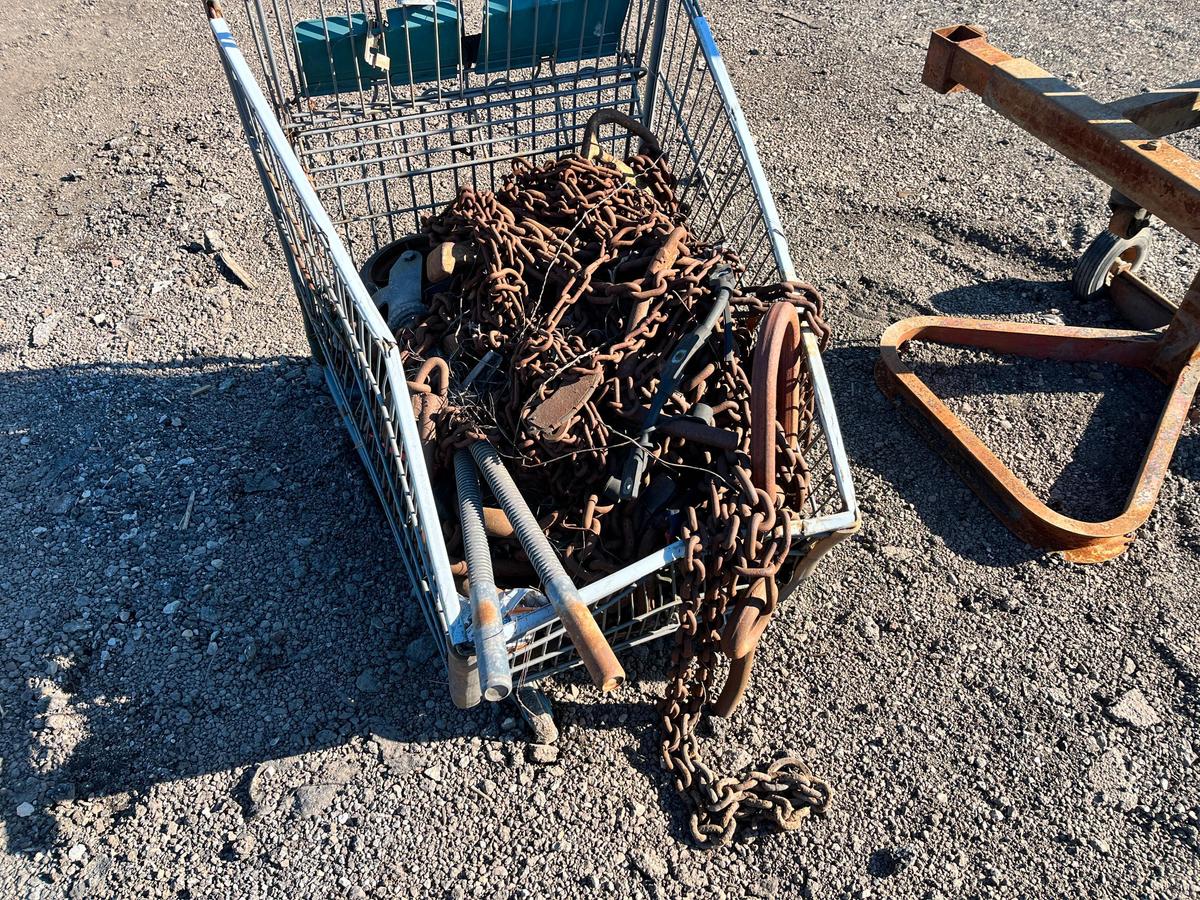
(409, 42)
(563, 30)
(330, 49)
(415, 27)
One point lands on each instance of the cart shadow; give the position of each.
(138, 651)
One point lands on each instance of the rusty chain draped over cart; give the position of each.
(579, 288)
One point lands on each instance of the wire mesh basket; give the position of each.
(374, 117)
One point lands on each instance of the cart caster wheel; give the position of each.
(1094, 271)
(538, 713)
(464, 680)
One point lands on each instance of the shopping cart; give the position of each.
(374, 117)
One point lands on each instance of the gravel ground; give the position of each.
(247, 707)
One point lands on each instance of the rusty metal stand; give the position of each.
(1121, 144)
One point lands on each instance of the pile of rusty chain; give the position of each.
(581, 277)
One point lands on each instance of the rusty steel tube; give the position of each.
(602, 664)
(1147, 170)
(487, 619)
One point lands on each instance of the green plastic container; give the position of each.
(563, 30)
(330, 50)
(422, 23)
(409, 42)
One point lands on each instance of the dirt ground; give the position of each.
(247, 707)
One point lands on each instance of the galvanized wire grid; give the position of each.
(381, 155)
(629, 617)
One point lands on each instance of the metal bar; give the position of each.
(1124, 155)
(577, 620)
(426, 134)
(1165, 111)
(487, 621)
(1005, 494)
(654, 65)
(598, 591)
(758, 178)
(1139, 303)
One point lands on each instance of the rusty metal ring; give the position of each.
(774, 391)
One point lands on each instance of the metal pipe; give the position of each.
(576, 618)
(495, 677)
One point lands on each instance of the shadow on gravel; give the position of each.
(882, 440)
(198, 578)
(1007, 297)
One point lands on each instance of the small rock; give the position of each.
(1058, 695)
(538, 713)
(24, 810)
(649, 863)
(78, 853)
(420, 650)
(314, 799)
(366, 682)
(240, 847)
(40, 336)
(212, 241)
(398, 759)
(171, 608)
(766, 887)
(434, 773)
(543, 754)
(869, 629)
(1133, 709)
(260, 482)
(1109, 773)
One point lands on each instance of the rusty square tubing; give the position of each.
(1143, 167)
(1008, 497)
(1164, 111)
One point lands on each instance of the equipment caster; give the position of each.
(1102, 259)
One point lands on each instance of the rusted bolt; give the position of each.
(1150, 145)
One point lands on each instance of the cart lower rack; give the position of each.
(372, 119)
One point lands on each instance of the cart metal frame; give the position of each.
(1121, 143)
(348, 172)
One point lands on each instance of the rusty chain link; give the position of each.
(584, 277)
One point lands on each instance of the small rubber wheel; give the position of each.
(464, 680)
(378, 266)
(1095, 269)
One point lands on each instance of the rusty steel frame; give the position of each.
(1121, 144)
